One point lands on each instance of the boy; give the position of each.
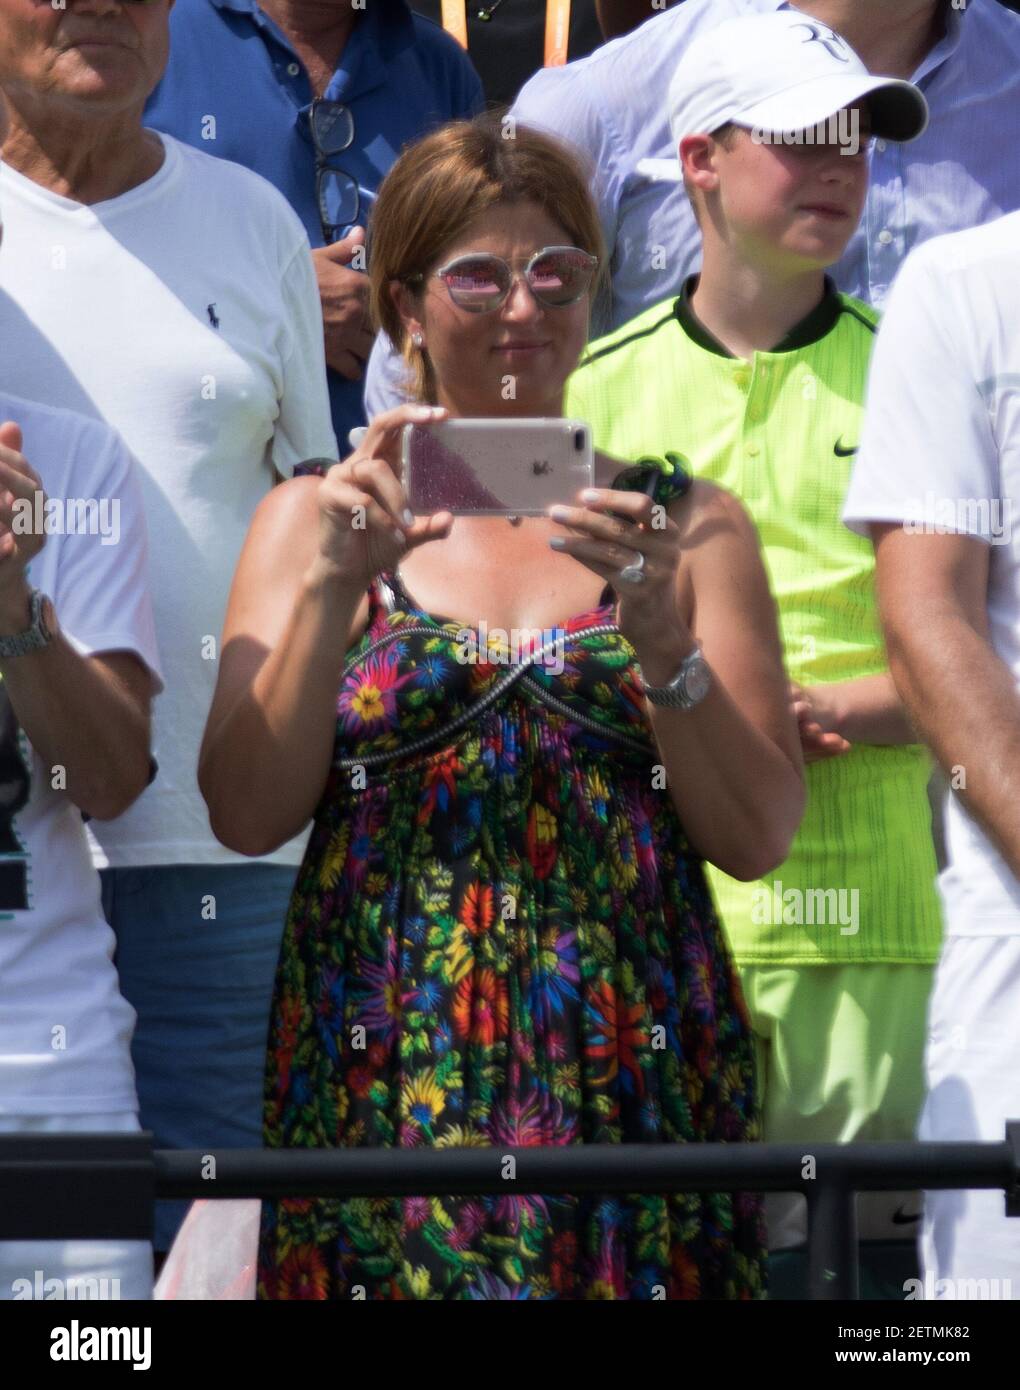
(756, 373)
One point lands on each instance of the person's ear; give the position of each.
(408, 307)
(697, 160)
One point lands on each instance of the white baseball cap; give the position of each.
(783, 71)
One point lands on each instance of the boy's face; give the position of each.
(791, 206)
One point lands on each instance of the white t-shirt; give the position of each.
(65, 1030)
(185, 313)
(940, 450)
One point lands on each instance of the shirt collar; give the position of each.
(935, 57)
(389, 26)
(811, 329)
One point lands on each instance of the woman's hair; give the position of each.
(442, 183)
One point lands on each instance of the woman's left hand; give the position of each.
(646, 610)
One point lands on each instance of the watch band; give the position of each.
(688, 687)
(35, 636)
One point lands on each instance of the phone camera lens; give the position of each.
(579, 440)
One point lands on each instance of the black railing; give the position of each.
(103, 1185)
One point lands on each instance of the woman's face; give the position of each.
(513, 360)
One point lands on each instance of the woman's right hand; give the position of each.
(365, 525)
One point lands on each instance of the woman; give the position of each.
(501, 935)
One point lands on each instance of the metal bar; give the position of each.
(832, 1242)
(76, 1186)
(581, 1168)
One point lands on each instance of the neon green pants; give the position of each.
(840, 1052)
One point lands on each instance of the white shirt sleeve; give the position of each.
(303, 427)
(927, 453)
(386, 380)
(101, 590)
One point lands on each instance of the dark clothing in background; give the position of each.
(510, 46)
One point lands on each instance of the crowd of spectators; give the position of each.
(279, 867)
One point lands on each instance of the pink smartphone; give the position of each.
(496, 467)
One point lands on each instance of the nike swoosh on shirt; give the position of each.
(899, 1218)
(840, 452)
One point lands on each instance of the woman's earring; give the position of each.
(417, 341)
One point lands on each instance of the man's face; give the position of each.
(797, 204)
(103, 55)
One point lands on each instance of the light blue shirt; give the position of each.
(964, 170)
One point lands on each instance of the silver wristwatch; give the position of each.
(688, 687)
(40, 633)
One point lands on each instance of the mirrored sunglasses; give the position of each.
(480, 282)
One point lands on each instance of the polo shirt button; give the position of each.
(880, 146)
(293, 69)
(753, 450)
(755, 412)
(741, 378)
(885, 236)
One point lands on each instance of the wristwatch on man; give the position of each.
(41, 631)
(688, 687)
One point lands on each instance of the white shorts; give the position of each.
(80, 1269)
(970, 1248)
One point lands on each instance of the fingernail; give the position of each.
(423, 412)
(558, 513)
(438, 410)
(399, 537)
(557, 542)
(407, 516)
(589, 495)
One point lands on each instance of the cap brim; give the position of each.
(898, 109)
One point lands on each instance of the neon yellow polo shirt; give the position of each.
(780, 431)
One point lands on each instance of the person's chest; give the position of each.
(511, 45)
(508, 577)
(180, 347)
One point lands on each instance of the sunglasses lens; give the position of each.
(338, 198)
(477, 283)
(334, 128)
(561, 277)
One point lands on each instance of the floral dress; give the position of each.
(499, 936)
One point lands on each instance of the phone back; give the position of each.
(496, 467)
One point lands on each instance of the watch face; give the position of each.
(698, 679)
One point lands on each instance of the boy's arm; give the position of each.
(866, 710)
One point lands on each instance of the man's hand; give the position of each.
(344, 296)
(17, 482)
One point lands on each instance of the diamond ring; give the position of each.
(634, 573)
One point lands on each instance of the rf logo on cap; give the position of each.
(828, 37)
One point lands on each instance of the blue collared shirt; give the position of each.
(964, 170)
(234, 87)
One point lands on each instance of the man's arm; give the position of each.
(932, 592)
(88, 715)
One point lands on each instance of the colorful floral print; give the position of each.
(511, 922)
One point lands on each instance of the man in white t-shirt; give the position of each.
(173, 295)
(937, 484)
(78, 667)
